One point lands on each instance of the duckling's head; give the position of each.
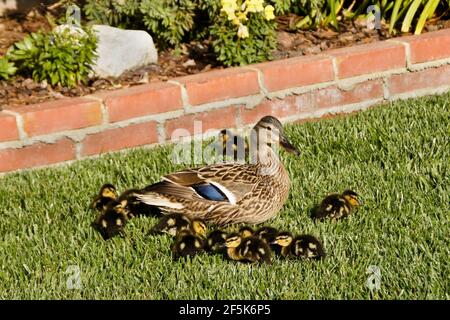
(246, 232)
(233, 240)
(199, 227)
(108, 191)
(112, 221)
(269, 130)
(352, 198)
(283, 239)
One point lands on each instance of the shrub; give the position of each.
(244, 33)
(7, 69)
(63, 58)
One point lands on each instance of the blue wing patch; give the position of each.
(210, 192)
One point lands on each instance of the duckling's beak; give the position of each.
(288, 146)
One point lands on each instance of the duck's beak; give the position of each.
(288, 146)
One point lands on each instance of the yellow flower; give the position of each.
(229, 7)
(242, 16)
(255, 5)
(243, 31)
(268, 12)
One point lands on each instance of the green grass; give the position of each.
(396, 156)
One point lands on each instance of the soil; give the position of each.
(191, 58)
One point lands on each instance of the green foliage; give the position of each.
(233, 50)
(63, 58)
(7, 69)
(168, 20)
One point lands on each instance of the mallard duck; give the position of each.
(233, 146)
(303, 246)
(266, 233)
(337, 206)
(107, 194)
(250, 249)
(246, 231)
(230, 192)
(112, 221)
(215, 242)
(174, 223)
(136, 207)
(186, 244)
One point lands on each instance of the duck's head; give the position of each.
(112, 221)
(246, 231)
(108, 191)
(352, 198)
(283, 239)
(199, 227)
(233, 240)
(269, 130)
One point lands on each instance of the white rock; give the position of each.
(122, 50)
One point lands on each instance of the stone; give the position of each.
(122, 50)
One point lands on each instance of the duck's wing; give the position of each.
(227, 183)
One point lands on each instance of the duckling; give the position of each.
(338, 206)
(233, 146)
(174, 223)
(250, 249)
(136, 207)
(107, 194)
(246, 231)
(267, 234)
(304, 246)
(186, 244)
(215, 242)
(112, 221)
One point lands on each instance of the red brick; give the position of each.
(333, 96)
(428, 78)
(120, 138)
(369, 58)
(280, 108)
(60, 115)
(296, 72)
(220, 85)
(8, 127)
(429, 46)
(142, 100)
(212, 119)
(38, 154)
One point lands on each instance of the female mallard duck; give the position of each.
(107, 194)
(250, 249)
(174, 223)
(230, 192)
(338, 206)
(304, 246)
(186, 244)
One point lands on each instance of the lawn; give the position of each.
(397, 156)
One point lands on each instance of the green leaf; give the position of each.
(410, 15)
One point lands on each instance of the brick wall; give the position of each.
(342, 80)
